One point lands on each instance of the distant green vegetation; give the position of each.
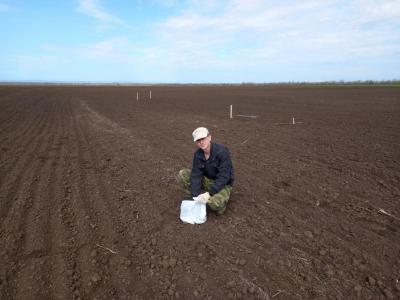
(385, 83)
(361, 83)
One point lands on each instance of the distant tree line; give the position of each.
(393, 82)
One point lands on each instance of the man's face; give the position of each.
(204, 143)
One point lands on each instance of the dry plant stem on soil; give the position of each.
(382, 211)
(112, 251)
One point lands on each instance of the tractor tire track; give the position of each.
(131, 196)
(107, 204)
(96, 231)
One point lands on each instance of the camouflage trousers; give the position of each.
(218, 201)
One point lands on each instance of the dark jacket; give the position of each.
(218, 167)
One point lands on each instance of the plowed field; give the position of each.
(89, 201)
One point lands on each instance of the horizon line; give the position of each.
(128, 83)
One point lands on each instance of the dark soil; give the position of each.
(89, 201)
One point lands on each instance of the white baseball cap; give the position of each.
(200, 133)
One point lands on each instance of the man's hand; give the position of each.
(203, 198)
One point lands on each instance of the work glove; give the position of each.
(202, 198)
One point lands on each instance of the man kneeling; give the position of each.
(212, 172)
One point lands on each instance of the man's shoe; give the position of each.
(221, 211)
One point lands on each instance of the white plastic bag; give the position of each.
(193, 212)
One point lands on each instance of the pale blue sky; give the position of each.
(199, 40)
